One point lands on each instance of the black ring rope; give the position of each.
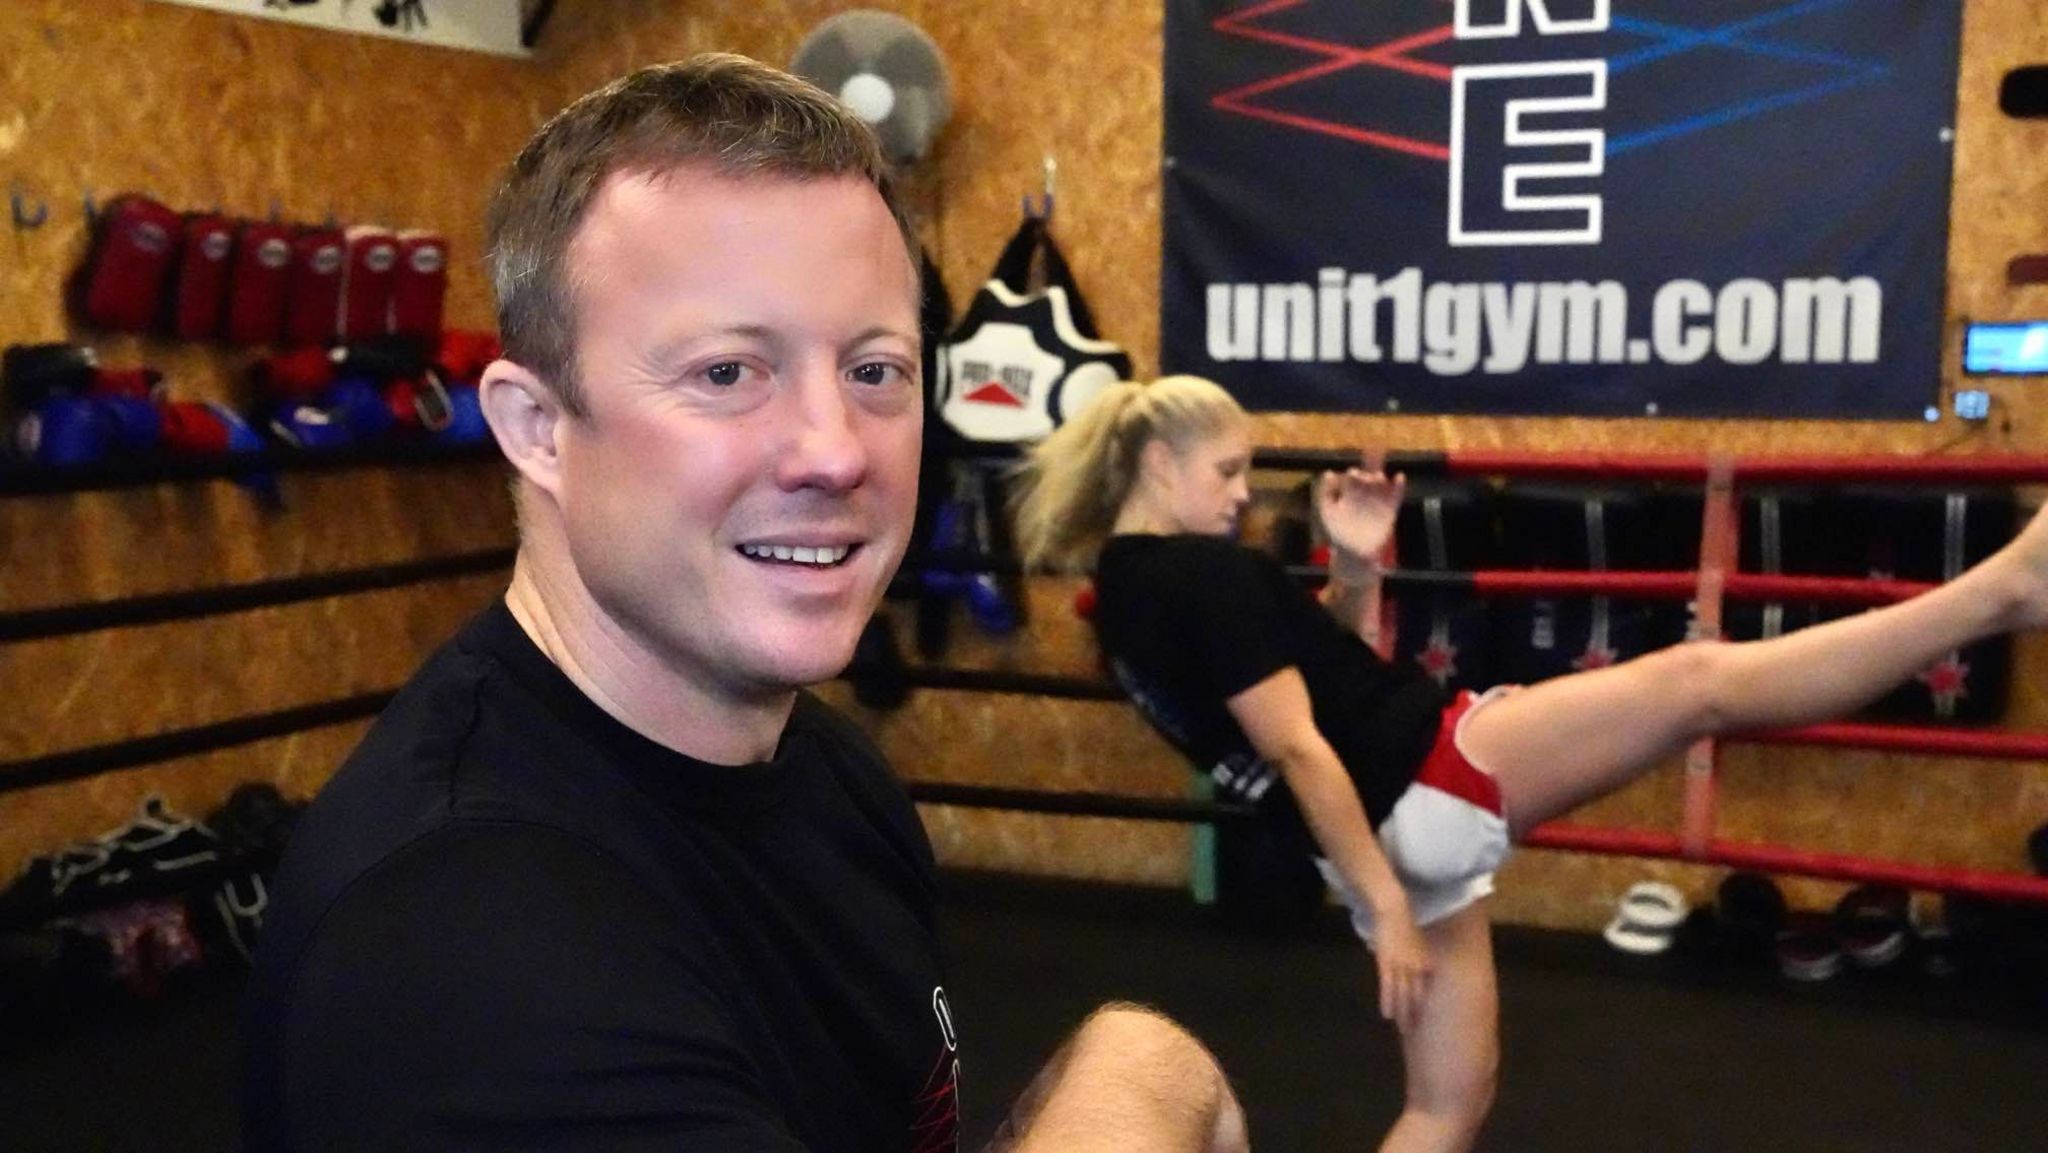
(93, 760)
(67, 620)
(136, 472)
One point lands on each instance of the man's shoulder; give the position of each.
(458, 742)
(863, 774)
(836, 732)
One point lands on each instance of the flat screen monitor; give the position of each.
(2019, 348)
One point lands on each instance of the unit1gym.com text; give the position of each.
(1455, 328)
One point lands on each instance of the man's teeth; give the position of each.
(798, 554)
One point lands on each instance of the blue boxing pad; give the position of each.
(63, 430)
(987, 604)
(949, 534)
(310, 426)
(132, 423)
(465, 418)
(358, 404)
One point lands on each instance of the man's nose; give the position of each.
(824, 448)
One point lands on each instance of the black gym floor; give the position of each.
(1602, 1051)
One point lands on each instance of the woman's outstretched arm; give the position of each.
(1276, 717)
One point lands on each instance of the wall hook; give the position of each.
(24, 218)
(1042, 210)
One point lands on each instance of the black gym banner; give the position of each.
(1594, 207)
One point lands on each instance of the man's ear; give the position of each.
(526, 417)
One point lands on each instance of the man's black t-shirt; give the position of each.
(1190, 621)
(510, 921)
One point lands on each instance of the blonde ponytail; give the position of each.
(1067, 494)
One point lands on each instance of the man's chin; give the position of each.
(802, 666)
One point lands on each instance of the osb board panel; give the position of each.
(115, 684)
(2001, 184)
(1027, 743)
(74, 692)
(202, 109)
(1031, 79)
(169, 538)
(34, 822)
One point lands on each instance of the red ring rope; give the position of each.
(1798, 862)
(2002, 468)
(1680, 585)
(1992, 744)
(1697, 844)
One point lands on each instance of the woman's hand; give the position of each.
(1404, 963)
(1357, 509)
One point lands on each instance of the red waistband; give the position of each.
(1447, 769)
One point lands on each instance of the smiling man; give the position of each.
(603, 876)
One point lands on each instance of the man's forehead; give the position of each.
(735, 269)
(629, 198)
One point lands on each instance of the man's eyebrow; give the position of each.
(671, 349)
(879, 331)
(766, 334)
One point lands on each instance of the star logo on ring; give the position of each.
(1439, 659)
(1596, 656)
(1947, 682)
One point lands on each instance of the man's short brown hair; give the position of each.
(738, 116)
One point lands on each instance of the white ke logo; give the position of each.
(1490, 106)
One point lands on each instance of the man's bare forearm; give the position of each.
(1128, 1080)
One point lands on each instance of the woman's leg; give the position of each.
(1560, 743)
(1452, 1053)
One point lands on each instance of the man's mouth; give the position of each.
(809, 556)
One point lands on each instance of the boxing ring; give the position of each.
(1708, 588)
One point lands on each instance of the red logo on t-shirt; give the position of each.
(935, 1128)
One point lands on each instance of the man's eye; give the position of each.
(724, 374)
(877, 373)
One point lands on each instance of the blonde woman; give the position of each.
(1407, 800)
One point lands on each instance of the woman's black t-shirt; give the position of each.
(1189, 621)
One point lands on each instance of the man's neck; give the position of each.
(676, 707)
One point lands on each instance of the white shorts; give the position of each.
(1447, 834)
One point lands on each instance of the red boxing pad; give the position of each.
(130, 264)
(420, 285)
(312, 295)
(464, 354)
(134, 383)
(256, 282)
(419, 402)
(193, 429)
(369, 267)
(202, 277)
(296, 376)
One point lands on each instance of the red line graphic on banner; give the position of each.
(1391, 55)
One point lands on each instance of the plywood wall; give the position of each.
(202, 109)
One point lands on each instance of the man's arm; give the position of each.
(1128, 1081)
